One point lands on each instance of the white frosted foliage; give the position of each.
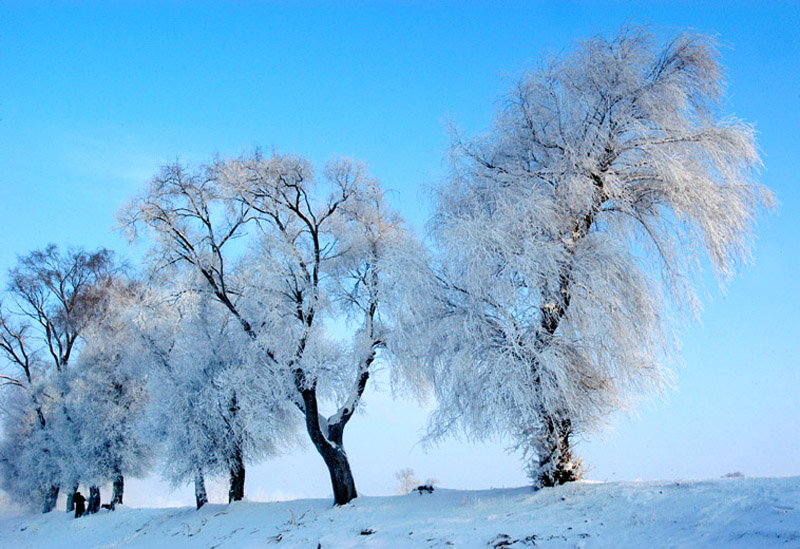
(569, 240)
(282, 254)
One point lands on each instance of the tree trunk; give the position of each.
(50, 498)
(556, 463)
(329, 445)
(71, 497)
(236, 492)
(200, 495)
(93, 504)
(342, 481)
(119, 489)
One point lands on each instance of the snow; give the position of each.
(731, 512)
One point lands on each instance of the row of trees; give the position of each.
(564, 246)
(58, 408)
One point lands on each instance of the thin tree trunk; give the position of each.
(119, 489)
(71, 497)
(50, 498)
(237, 471)
(200, 495)
(236, 492)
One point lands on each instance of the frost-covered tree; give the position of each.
(211, 410)
(569, 240)
(315, 254)
(51, 297)
(319, 259)
(107, 396)
(30, 454)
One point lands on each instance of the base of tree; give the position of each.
(200, 494)
(563, 473)
(71, 498)
(236, 492)
(50, 498)
(556, 463)
(119, 488)
(93, 503)
(342, 481)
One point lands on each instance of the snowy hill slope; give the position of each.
(719, 513)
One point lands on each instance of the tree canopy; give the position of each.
(569, 239)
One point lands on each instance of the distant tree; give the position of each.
(314, 255)
(569, 240)
(406, 481)
(51, 297)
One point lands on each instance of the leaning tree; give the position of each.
(569, 240)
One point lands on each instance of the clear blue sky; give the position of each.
(95, 96)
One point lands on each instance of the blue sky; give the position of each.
(95, 96)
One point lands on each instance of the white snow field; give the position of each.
(739, 512)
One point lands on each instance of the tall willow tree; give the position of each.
(570, 239)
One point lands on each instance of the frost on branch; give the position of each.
(213, 408)
(569, 240)
(284, 253)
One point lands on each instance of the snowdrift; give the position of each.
(719, 513)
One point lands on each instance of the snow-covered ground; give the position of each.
(739, 512)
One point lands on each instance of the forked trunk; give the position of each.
(200, 495)
(50, 498)
(329, 445)
(119, 488)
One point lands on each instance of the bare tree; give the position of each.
(407, 481)
(569, 240)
